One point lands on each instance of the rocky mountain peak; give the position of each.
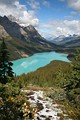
(15, 30)
(13, 19)
(31, 28)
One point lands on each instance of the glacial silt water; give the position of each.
(27, 65)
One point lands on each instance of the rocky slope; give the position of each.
(46, 108)
(22, 41)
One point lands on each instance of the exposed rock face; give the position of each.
(17, 31)
(31, 31)
(46, 108)
(12, 28)
(3, 33)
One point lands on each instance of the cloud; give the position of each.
(34, 4)
(74, 12)
(75, 4)
(68, 17)
(60, 27)
(27, 18)
(7, 2)
(46, 3)
(13, 7)
(50, 28)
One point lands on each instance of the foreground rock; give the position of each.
(46, 109)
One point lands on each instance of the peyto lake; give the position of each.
(26, 65)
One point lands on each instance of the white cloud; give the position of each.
(56, 28)
(13, 7)
(28, 18)
(51, 28)
(7, 2)
(34, 4)
(19, 6)
(46, 3)
(75, 4)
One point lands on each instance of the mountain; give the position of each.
(13, 19)
(68, 44)
(63, 38)
(59, 38)
(69, 41)
(72, 43)
(22, 41)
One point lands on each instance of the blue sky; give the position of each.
(55, 9)
(50, 17)
(52, 9)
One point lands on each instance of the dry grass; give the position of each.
(36, 88)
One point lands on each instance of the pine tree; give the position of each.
(73, 88)
(5, 64)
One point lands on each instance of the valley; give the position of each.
(41, 79)
(26, 41)
(23, 40)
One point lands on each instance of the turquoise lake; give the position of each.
(27, 65)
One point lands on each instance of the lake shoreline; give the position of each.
(36, 61)
(43, 52)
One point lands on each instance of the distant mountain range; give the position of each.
(22, 41)
(63, 38)
(71, 43)
(67, 41)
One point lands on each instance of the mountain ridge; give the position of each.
(24, 40)
(61, 38)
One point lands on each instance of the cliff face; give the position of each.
(3, 32)
(12, 28)
(17, 31)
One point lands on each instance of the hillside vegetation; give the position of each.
(20, 48)
(55, 75)
(59, 79)
(48, 76)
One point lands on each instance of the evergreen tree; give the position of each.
(5, 64)
(73, 88)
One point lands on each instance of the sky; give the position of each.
(50, 17)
